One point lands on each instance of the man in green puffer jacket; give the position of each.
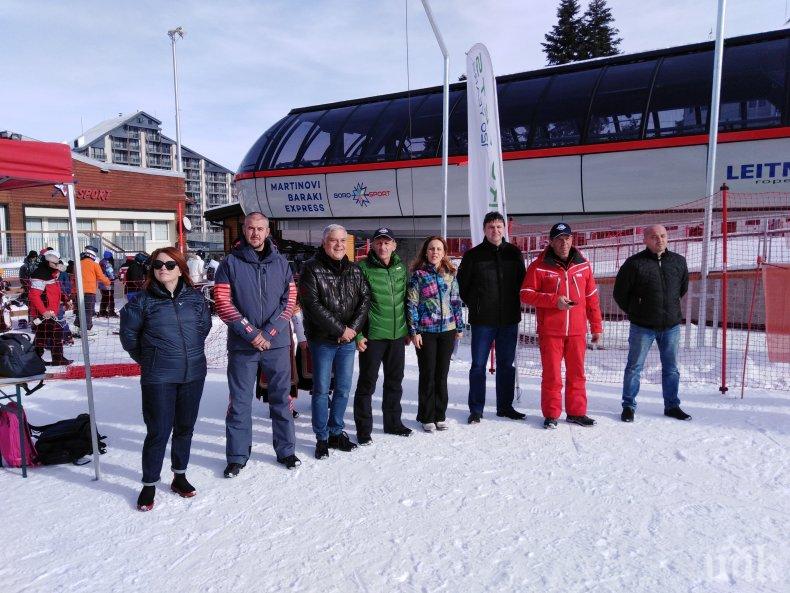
(383, 339)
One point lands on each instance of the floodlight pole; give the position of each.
(713, 135)
(173, 33)
(445, 110)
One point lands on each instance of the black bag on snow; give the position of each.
(66, 441)
(18, 358)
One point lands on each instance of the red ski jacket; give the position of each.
(547, 279)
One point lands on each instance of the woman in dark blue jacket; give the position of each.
(164, 330)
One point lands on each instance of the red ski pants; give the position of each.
(552, 350)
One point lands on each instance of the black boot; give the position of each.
(145, 502)
(581, 420)
(182, 487)
(321, 450)
(341, 442)
(57, 357)
(677, 413)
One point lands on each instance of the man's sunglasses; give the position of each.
(159, 264)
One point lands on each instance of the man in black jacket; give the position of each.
(335, 299)
(648, 288)
(489, 278)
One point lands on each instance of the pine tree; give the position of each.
(598, 32)
(565, 39)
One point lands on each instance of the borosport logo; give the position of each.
(361, 195)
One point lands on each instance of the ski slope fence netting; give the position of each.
(745, 339)
(745, 302)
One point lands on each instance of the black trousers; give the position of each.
(107, 305)
(393, 354)
(433, 360)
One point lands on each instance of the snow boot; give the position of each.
(145, 502)
(627, 415)
(401, 431)
(182, 487)
(580, 420)
(321, 450)
(341, 442)
(473, 418)
(512, 414)
(232, 470)
(428, 426)
(677, 413)
(441, 426)
(550, 423)
(365, 440)
(290, 462)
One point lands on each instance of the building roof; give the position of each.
(108, 125)
(218, 213)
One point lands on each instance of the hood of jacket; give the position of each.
(246, 253)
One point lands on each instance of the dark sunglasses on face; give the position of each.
(159, 264)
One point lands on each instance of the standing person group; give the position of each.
(92, 277)
(376, 308)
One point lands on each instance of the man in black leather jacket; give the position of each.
(648, 288)
(489, 278)
(335, 299)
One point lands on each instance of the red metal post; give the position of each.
(724, 235)
(181, 245)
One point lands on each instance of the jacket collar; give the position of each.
(374, 260)
(338, 267)
(574, 258)
(489, 245)
(157, 289)
(246, 253)
(650, 255)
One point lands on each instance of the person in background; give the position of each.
(561, 287)
(51, 333)
(196, 266)
(26, 270)
(648, 288)
(92, 275)
(107, 305)
(134, 276)
(383, 339)
(489, 278)
(335, 300)
(255, 297)
(435, 321)
(164, 330)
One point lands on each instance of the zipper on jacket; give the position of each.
(260, 292)
(441, 303)
(567, 311)
(392, 297)
(183, 340)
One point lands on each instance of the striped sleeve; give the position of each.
(227, 311)
(279, 321)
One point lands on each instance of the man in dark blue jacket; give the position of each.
(255, 296)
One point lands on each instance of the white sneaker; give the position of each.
(428, 426)
(441, 426)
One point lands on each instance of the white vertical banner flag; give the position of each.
(485, 175)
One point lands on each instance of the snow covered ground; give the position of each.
(658, 505)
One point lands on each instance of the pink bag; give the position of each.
(9, 438)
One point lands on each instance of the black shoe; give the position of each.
(550, 423)
(289, 462)
(182, 487)
(59, 362)
(233, 470)
(512, 414)
(295, 414)
(145, 502)
(627, 415)
(321, 450)
(365, 440)
(401, 431)
(677, 413)
(341, 442)
(473, 418)
(580, 420)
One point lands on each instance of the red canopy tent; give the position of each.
(26, 164)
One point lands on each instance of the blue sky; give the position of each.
(67, 65)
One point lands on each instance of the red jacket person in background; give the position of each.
(561, 287)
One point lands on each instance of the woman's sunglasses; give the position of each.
(159, 264)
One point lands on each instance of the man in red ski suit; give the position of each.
(561, 287)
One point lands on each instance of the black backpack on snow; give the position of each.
(18, 358)
(66, 441)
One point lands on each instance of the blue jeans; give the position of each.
(328, 419)
(640, 339)
(169, 407)
(506, 337)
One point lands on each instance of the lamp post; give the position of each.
(173, 33)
